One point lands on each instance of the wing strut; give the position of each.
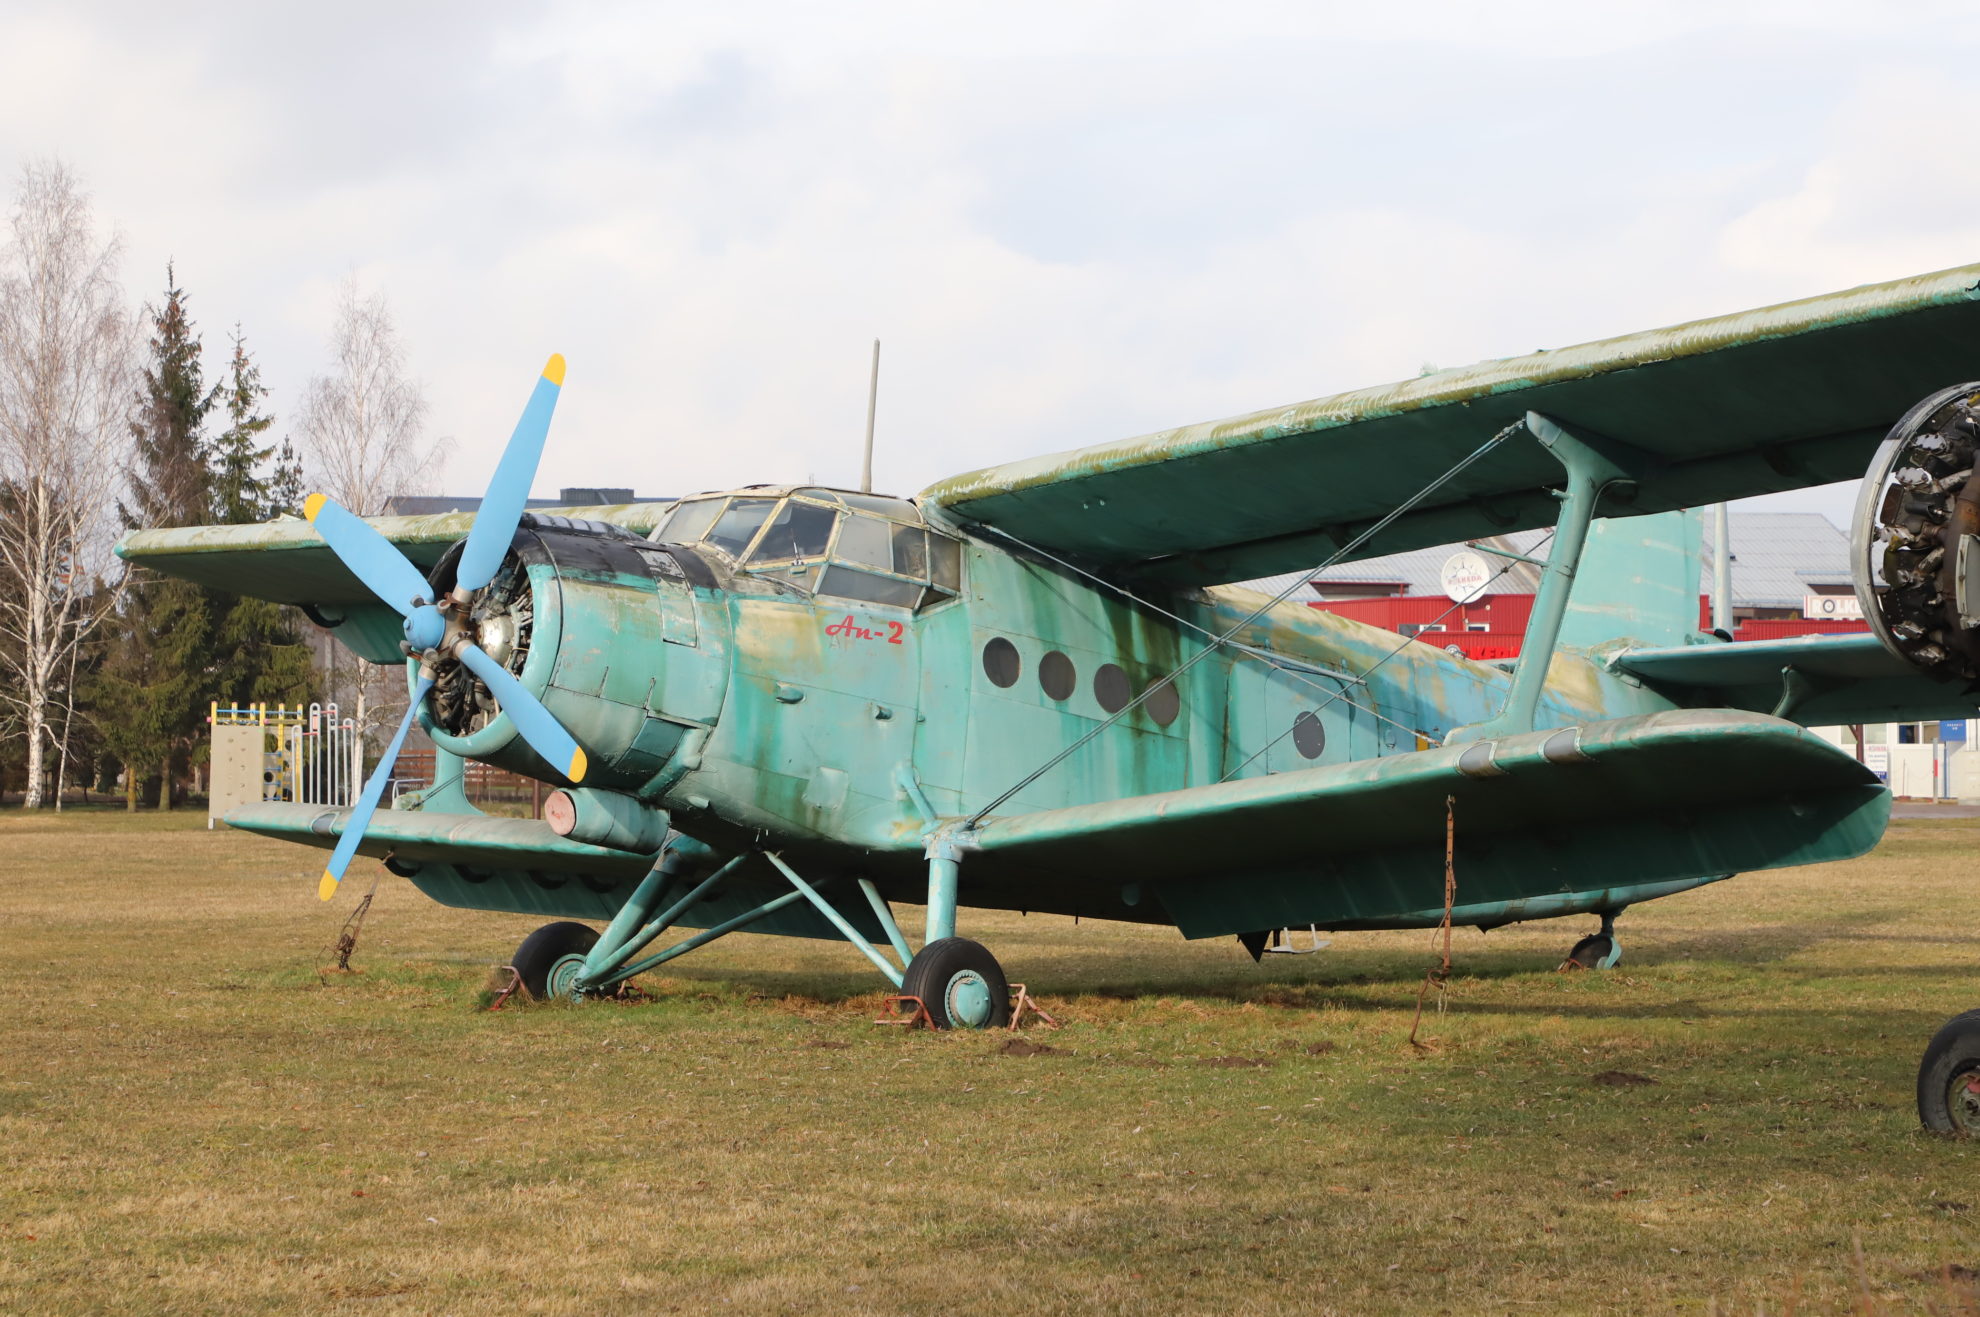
(1593, 464)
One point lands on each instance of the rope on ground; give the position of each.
(1440, 973)
(347, 936)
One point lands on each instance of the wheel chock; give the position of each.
(504, 982)
(1023, 1003)
(917, 1018)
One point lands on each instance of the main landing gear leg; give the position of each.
(1949, 1079)
(958, 981)
(1597, 950)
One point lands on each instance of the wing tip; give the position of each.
(553, 370)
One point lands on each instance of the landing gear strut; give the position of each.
(1949, 1079)
(1597, 950)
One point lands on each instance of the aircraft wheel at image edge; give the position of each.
(960, 983)
(1949, 1079)
(549, 959)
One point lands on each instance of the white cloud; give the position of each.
(1069, 223)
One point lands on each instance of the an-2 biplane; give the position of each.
(784, 708)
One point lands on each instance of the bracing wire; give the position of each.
(1221, 639)
(1407, 642)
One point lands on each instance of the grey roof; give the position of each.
(1778, 557)
(413, 505)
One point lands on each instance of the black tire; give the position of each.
(1591, 951)
(544, 948)
(947, 973)
(1947, 1102)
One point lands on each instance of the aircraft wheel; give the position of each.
(1949, 1079)
(548, 959)
(960, 983)
(1596, 951)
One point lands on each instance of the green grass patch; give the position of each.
(195, 1118)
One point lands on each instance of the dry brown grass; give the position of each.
(193, 1122)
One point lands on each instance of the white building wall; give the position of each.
(1915, 768)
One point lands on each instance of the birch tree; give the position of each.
(66, 351)
(360, 430)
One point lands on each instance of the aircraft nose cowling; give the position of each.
(607, 631)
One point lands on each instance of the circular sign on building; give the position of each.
(1464, 576)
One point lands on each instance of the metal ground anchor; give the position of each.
(918, 1018)
(1022, 1002)
(504, 982)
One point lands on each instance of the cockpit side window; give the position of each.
(735, 528)
(867, 541)
(885, 562)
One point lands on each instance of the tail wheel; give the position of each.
(537, 960)
(1596, 951)
(1949, 1079)
(960, 983)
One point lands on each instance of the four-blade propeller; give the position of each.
(436, 630)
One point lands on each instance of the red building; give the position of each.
(1790, 577)
(1491, 627)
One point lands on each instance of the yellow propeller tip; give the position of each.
(327, 888)
(554, 371)
(313, 505)
(578, 764)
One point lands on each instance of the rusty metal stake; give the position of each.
(1021, 1002)
(1442, 972)
(514, 985)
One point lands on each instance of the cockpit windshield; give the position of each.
(862, 547)
(736, 527)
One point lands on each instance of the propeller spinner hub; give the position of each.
(425, 628)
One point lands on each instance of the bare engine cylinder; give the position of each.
(1916, 538)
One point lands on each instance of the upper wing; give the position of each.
(288, 562)
(1765, 400)
(1818, 681)
(1586, 817)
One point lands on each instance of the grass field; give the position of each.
(194, 1121)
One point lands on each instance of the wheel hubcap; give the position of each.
(1963, 1102)
(562, 980)
(968, 1000)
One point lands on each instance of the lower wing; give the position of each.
(1817, 681)
(1578, 818)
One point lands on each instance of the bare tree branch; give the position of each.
(67, 342)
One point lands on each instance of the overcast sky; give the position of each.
(1069, 222)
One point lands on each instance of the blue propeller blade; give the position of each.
(537, 724)
(371, 557)
(501, 508)
(360, 819)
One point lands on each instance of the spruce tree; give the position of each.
(153, 686)
(261, 658)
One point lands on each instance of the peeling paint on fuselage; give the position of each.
(818, 710)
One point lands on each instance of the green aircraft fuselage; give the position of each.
(736, 699)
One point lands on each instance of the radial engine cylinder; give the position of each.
(1915, 543)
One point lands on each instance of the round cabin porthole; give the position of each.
(1000, 662)
(1309, 736)
(1056, 675)
(1110, 687)
(1164, 702)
